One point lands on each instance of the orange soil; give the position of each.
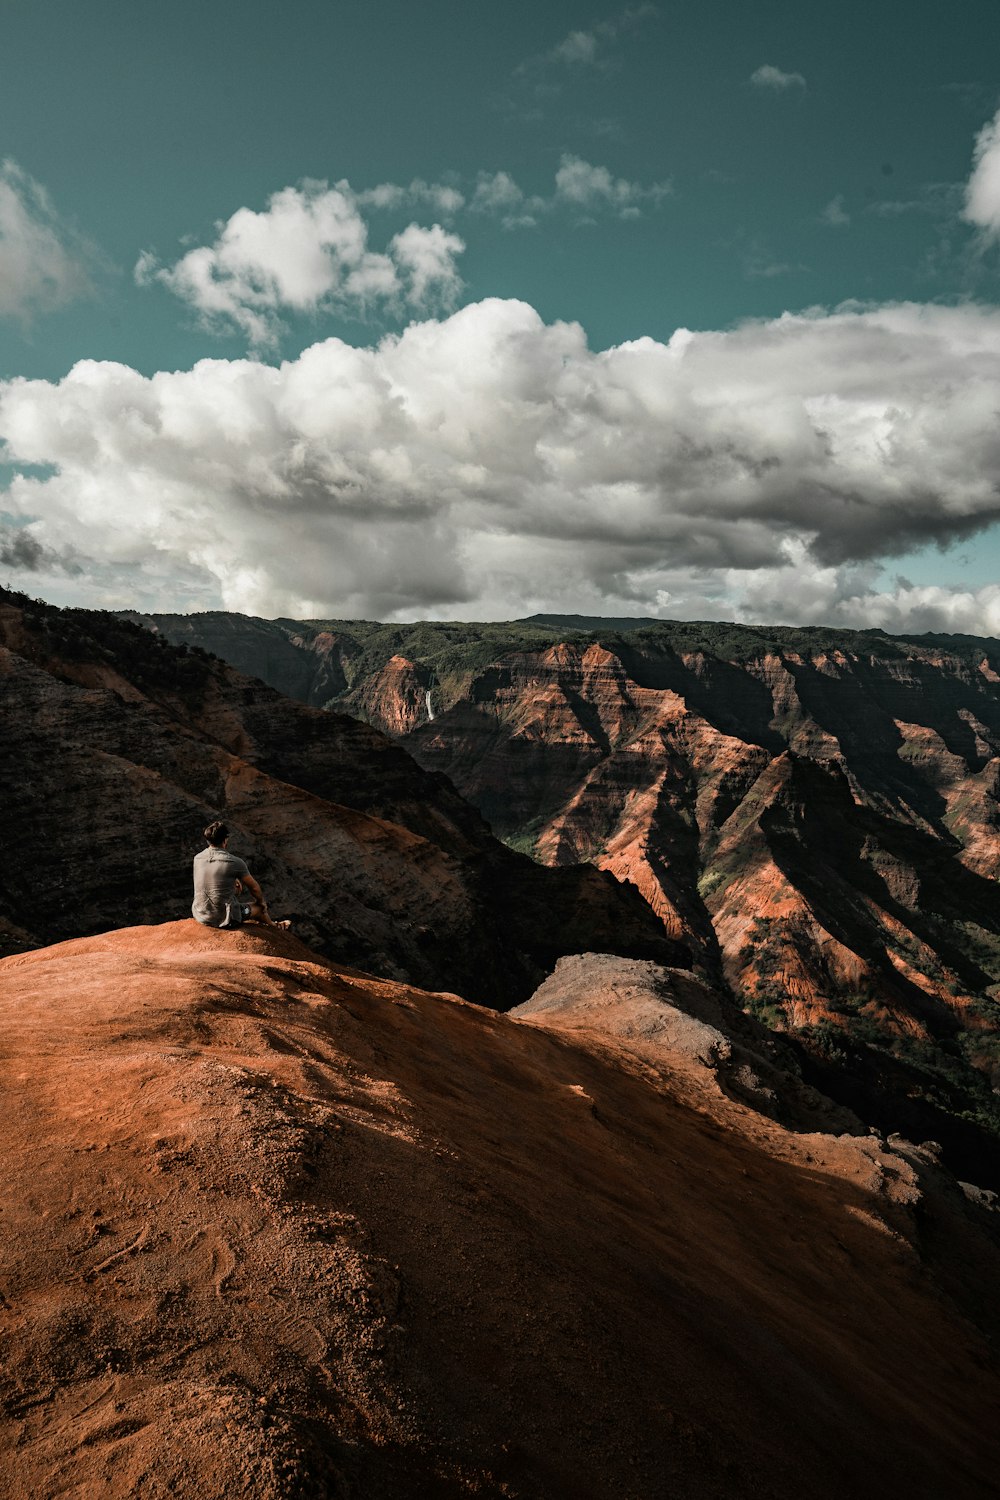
(279, 1229)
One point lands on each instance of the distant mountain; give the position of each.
(116, 748)
(588, 623)
(814, 811)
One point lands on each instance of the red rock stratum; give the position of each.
(277, 1228)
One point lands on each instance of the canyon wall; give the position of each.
(117, 748)
(813, 812)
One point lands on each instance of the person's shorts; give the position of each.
(238, 914)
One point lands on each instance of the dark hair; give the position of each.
(217, 833)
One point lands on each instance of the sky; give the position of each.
(362, 309)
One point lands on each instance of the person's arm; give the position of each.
(251, 885)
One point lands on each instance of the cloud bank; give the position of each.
(490, 464)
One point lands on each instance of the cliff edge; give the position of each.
(278, 1228)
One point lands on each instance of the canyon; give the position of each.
(648, 1148)
(117, 749)
(813, 813)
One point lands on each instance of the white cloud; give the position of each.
(307, 252)
(43, 262)
(496, 192)
(585, 186)
(441, 197)
(835, 214)
(579, 186)
(490, 464)
(427, 257)
(769, 77)
(800, 592)
(982, 193)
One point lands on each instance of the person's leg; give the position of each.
(260, 913)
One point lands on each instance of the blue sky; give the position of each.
(245, 183)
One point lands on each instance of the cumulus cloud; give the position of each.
(307, 252)
(427, 259)
(585, 186)
(490, 464)
(982, 193)
(769, 77)
(801, 592)
(580, 187)
(44, 263)
(497, 193)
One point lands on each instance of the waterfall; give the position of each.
(430, 711)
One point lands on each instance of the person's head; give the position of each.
(217, 834)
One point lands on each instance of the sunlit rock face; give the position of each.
(396, 698)
(841, 802)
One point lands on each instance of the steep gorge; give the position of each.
(813, 812)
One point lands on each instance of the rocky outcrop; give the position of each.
(673, 1020)
(396, 697)
(116, 748)
(274, 1228)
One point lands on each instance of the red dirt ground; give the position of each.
(274, 1229)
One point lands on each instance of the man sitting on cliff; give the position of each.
(222, 882)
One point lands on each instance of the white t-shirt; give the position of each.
(215, 874)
